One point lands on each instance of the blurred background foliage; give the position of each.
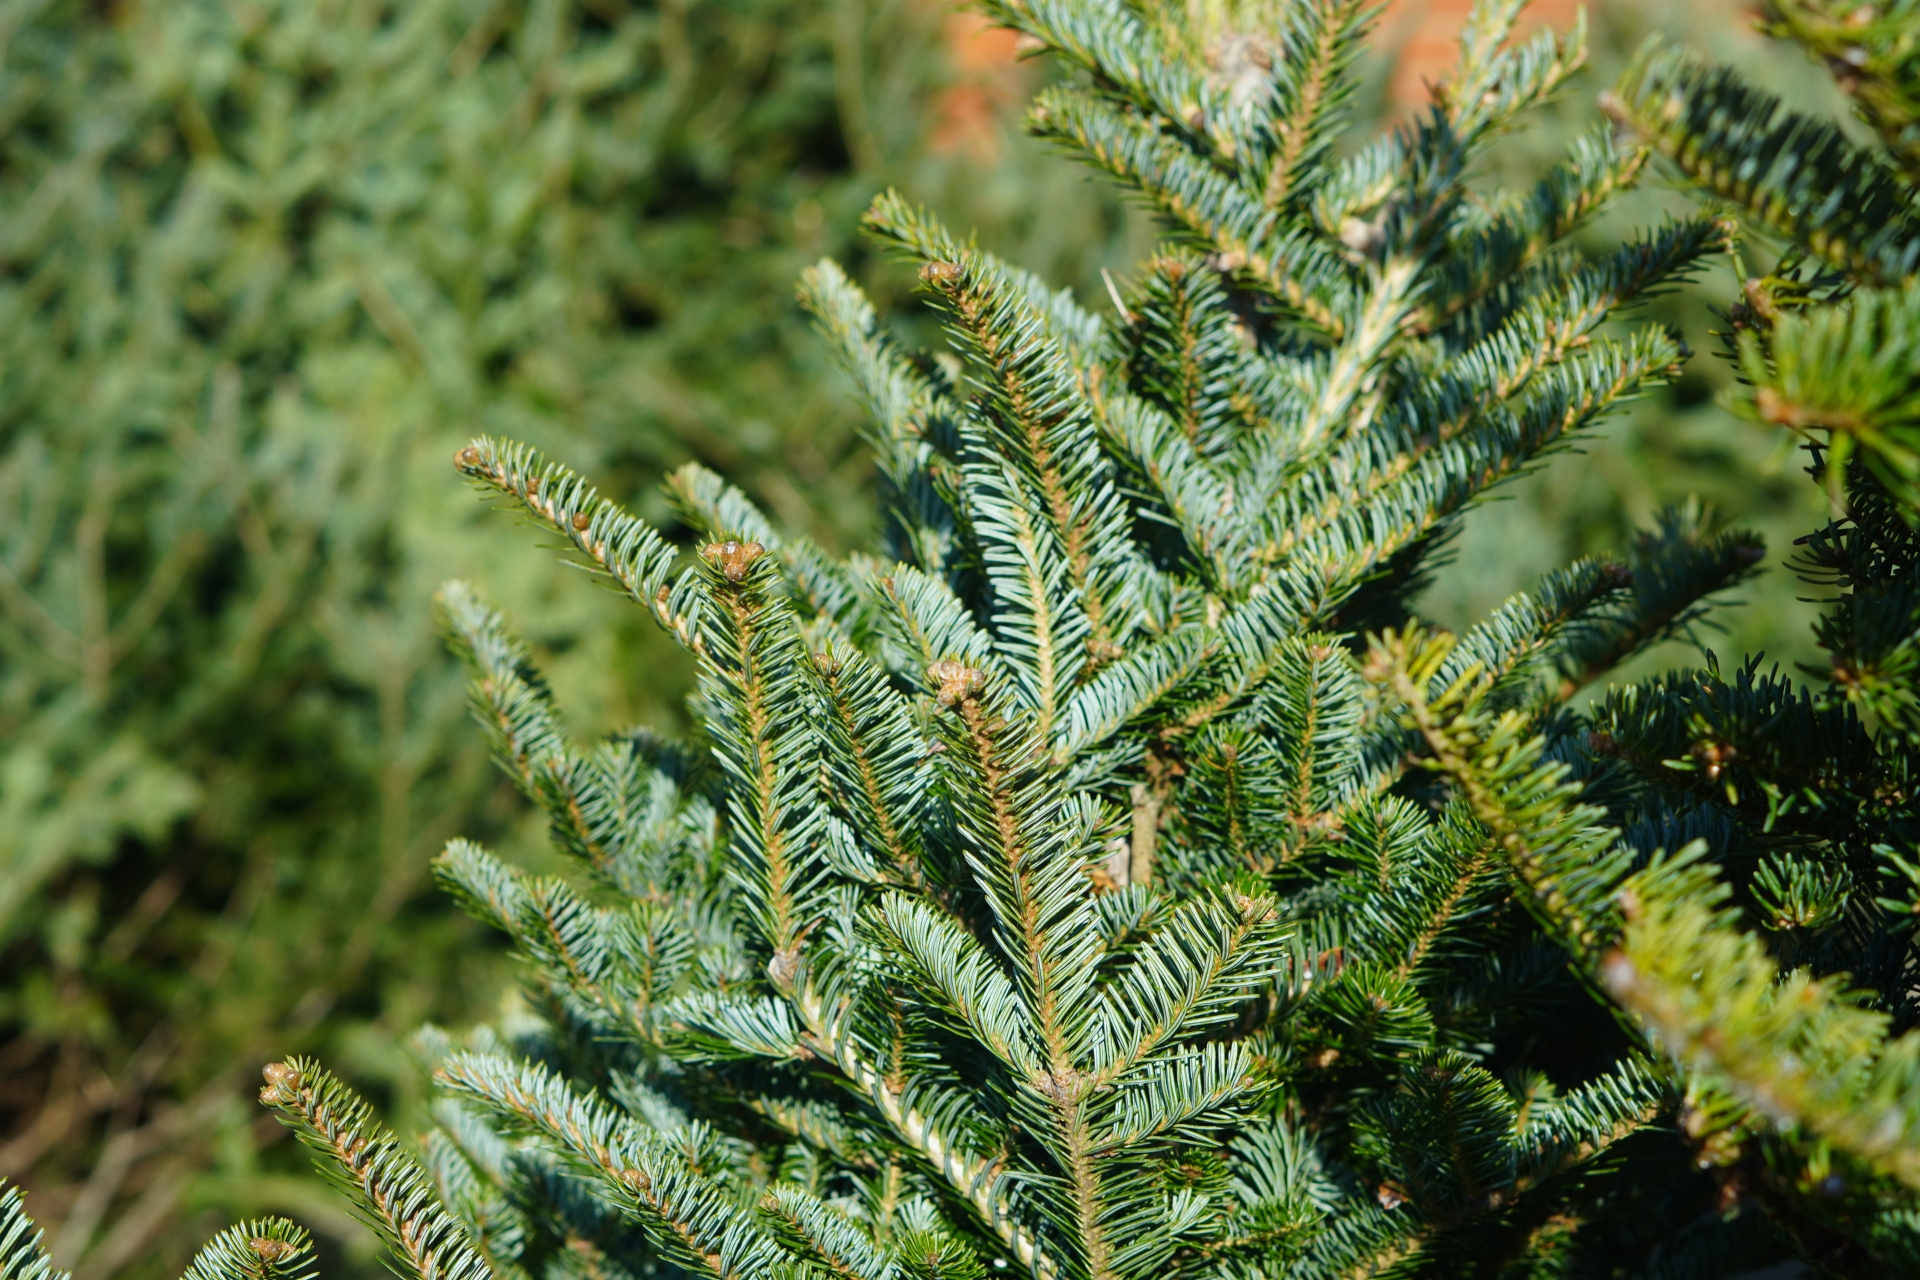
(263, 266)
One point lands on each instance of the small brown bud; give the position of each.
(940, 275)
(637, 1181)
(734, 558)
(826, 664)
(283, 1083)
(956, 680)
(467, 459)
(581, 520)
(1716, 756)
(272, 1252)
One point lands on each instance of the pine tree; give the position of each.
(1071, 887)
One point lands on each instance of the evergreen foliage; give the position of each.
(1109, 876)
(1731, 854)
(263, 267)
(1054, 892)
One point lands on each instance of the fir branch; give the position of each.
(1117, 46)
(1503, 645)
(1324, 39)
(1798, 175)
(1037, 429)
(264, 1249)
(829, 1239)
(952, 968)
(907, 414)
(511, 701)
(1846, 370)
(1585, 1123)
(1174, 477)
(1192, 974)
(979, 1179)
(1022, 841)
(1871, 53)
(1492, 254)
(388, 1189)
(1569, 865)
(1027, 850)
(1184, 338)
(22, 1254)
(822, 587)
(1674, 569)
(627, 550)
(1129, 689)
(755, 673)
(1413, 505)
(927, 622)
(877, 759)
(1442, 913)
(1250, 243)
(643, 1174)
(1494, 82)
(1795, 1047)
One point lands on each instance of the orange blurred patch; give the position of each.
(987, 83)
(1426, 35)
(987, 86)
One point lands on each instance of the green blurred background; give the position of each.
(263, 267)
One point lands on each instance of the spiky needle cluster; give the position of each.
(1056, 892)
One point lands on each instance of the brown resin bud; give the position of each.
(941, 275)
(956, 680)
(283, 1083)
(581, 520)
(272, 1252)
(733, 558)
(467, 458)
